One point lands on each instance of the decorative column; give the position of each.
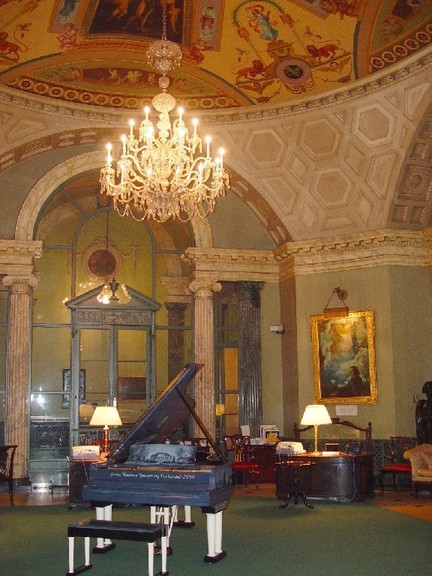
(176, 314)
(18, 372)
(249, 345)
(204, 350)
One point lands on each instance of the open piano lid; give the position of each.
(165, 416)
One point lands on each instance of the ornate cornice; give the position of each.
(380, 248)
(233, 265)
(16, 256)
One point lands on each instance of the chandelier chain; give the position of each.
(164, 171)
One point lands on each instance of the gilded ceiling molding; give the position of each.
(17, 257)
(379, 80)
(380, 248)
(233, 265)
(359, 88)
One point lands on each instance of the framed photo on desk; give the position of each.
(343, 349)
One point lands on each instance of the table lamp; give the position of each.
(315, 415)
(105, 416)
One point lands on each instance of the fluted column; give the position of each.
(18, 372)
(204, 350)
(176, 314)
(249, 335)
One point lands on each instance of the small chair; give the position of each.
(237, 449)
(397, 464)
(7, 455)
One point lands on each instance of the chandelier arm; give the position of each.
(165, 175)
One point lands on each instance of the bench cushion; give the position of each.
(137, 531)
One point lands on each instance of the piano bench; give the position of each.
(136, 531)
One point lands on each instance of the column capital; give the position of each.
(204, 286)
(176, 307)
(21, 284)
(17, 256)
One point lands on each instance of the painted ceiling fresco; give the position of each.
(235, 53)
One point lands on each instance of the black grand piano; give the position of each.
(144, 469)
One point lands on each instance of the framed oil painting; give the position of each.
(343, 349)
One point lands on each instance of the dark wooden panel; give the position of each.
(264, 455)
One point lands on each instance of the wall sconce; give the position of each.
(277, 329)
(315, 415)
(105, 416)
(343, 310)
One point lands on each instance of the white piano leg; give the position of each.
(214, 537)
(102, 544)
(188, 514)
(218, 533)
(187, 522)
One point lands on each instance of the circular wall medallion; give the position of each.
(293, 71)
(102, 263)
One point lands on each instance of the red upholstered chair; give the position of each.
(397, 464)
(238, 454)
(7, 455)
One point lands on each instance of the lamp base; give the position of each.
(105, 440)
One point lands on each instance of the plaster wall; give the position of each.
(411, 318)
(402, 334)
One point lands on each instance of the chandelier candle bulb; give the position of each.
(162, 173)
(109, 157)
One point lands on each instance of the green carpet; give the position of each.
(259, 538)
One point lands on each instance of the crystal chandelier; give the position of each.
(167, 175)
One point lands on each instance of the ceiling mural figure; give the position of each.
(235, 52)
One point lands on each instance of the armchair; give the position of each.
(421, 467)
(7, 455)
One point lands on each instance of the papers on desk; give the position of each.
(289, 448)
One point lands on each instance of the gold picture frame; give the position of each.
(343, 348)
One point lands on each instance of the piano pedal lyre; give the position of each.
(187, 522)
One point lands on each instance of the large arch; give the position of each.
(75, 166)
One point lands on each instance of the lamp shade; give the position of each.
(315, 415)
(106, 416)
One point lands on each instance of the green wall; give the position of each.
(401, 299)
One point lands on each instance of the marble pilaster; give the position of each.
(18, 373)
(176, 314)
(204, 350)
(249, 334)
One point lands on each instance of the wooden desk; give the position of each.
(265, 456)
(340, 476)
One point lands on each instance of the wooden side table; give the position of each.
(295, 489)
